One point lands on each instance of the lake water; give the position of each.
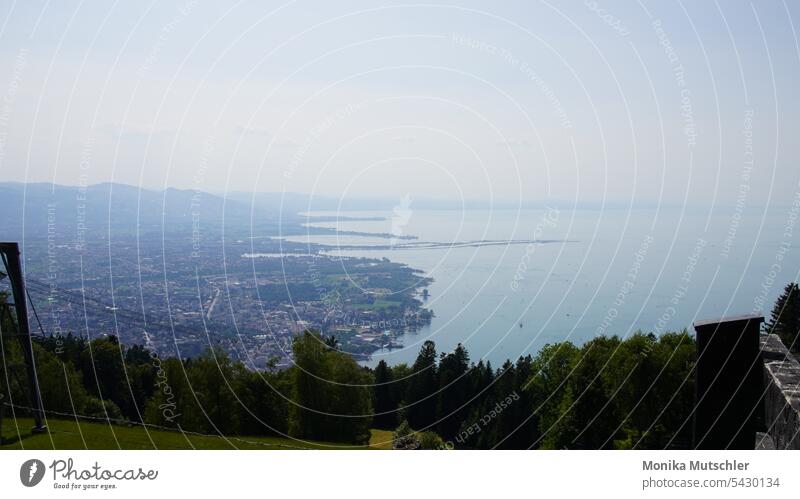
(617, 271)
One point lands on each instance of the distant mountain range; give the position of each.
(35, 206)
(127, 208)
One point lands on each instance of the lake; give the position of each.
(602, 271)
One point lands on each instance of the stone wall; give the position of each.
(781, 397)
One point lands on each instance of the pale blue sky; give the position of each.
(518, 100)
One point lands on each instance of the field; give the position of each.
(381, 439)
(68, 434)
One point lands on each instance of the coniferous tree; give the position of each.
(385, 403)
(525, 431)
(453, 391)
(422, 387)
(785, 317)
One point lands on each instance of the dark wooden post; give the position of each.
(727, 380)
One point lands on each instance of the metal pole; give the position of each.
(10, 252)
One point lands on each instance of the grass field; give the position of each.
(69, 434)
(381, 439)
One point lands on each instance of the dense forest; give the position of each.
(636, 392)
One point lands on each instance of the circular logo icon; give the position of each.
(31, 472)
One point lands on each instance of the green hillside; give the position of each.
(67, 434)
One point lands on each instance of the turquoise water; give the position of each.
(615, 272)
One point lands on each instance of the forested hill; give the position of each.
(608, 393)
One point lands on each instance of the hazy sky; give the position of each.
(526, 100)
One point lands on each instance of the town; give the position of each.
(179, 300)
